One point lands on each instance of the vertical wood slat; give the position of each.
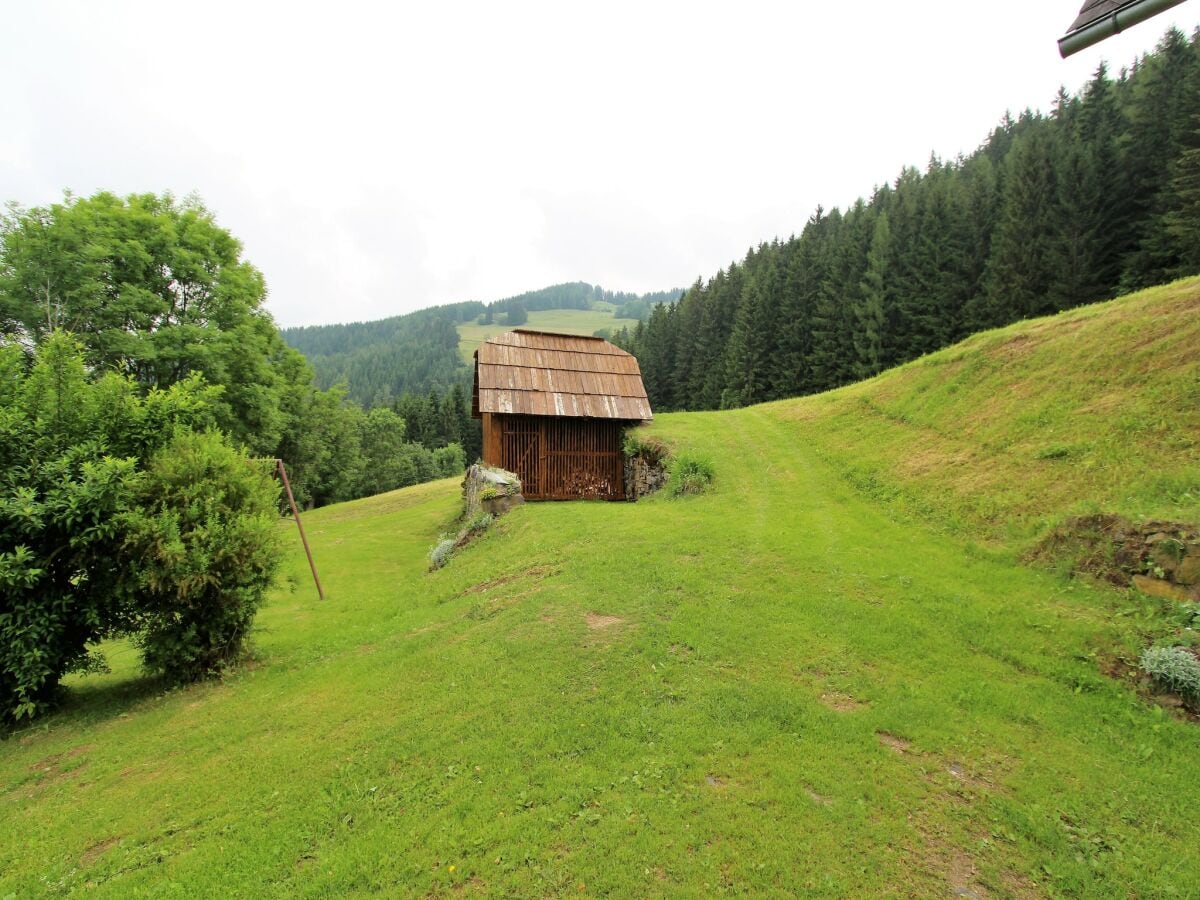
(562, 459)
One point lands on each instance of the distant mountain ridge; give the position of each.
(418, 352)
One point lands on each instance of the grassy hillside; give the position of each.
(826, 676)
(566, 321)
(1009, 431)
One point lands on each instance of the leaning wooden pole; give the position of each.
(287, 486)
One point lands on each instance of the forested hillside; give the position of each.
(1099, 197)
(379, 360)
(383, 360)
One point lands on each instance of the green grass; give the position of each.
(827, 675)
(566, 321)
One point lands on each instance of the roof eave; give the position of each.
(1111, 23)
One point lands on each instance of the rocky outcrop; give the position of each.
(1157, 557)
(490, 490)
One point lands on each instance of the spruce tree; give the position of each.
(685, 367)
(805, 270)
(1102, 132)
(1163, 100)
(1179, 221)
(833, 350)
(870, 314)
(1020, 268)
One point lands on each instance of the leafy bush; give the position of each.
(690, 473)
(71, 454)
(205, 550)
(1188, 614)
(440, 554)
(1175, 668)
(61, 585)
(449, 460)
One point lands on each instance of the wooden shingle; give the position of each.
(1094, 10)
(543, 374)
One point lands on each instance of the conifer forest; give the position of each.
(1099, 197)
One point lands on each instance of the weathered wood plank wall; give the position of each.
(558, 459)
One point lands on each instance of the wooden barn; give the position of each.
(554, 407)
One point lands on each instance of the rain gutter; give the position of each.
(1114, 23)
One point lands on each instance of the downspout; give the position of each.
(1111, 24)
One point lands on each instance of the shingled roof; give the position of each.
(1100, 19)
(543, 374)
(1094, 10)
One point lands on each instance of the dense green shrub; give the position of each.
(61, 585)
(690, 473)
(204, 543)
(1175, 668)
(73, 457)
(71, 452)
(449, 460)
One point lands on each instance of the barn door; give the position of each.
(583, 460)
(521, 445)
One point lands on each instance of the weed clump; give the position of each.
(690, 473)
(441, 552)
(1175, 668)
(649, 450)
(479, 523)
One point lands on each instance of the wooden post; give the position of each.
(543, 457)
(287, 486)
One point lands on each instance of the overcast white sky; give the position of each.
(378, 158)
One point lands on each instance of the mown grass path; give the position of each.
(773, 688)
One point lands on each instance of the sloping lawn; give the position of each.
(804, 681)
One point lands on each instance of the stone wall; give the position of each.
(643, 476)
(1156, 557)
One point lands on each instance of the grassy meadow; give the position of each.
(564, 321)
(829, 675)
(1008, 432)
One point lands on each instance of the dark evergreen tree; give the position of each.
(870, 311)
(1179, 219)
(803, 273)
(747, 356)
(1021, 266)
(516, 314)
(1163, 100)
